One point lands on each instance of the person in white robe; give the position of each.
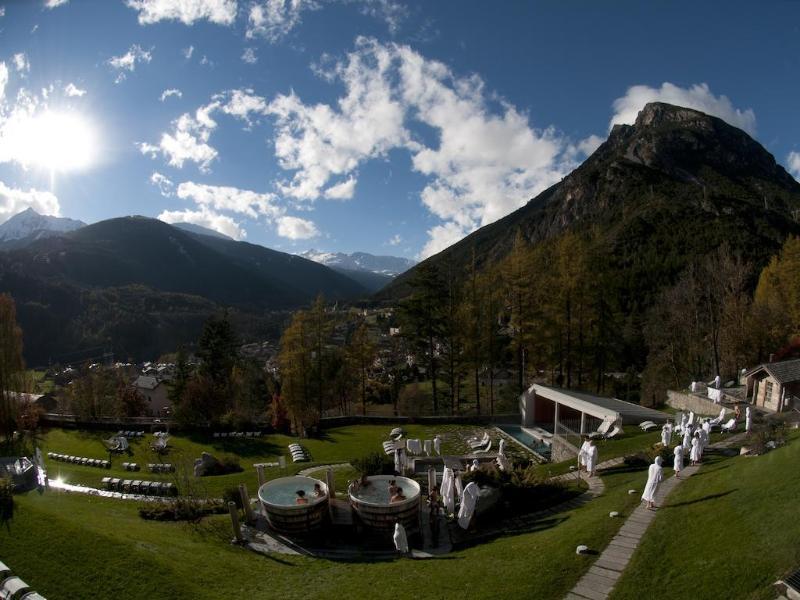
(447, 490)
(697, 449)
(677, 462)
(687, 439)
(400, 539)
(748, 419)
(468, 501)
(502, 463)
(684, 421)
(717, 382)
(705, 434)
(502, 448)
(591, 458)
(582, 454)
(654, 476)
(665, 436)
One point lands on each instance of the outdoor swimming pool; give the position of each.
(526, 439)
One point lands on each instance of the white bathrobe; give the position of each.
(654, 476)
(468, 502)
(704, 436)
(677, 463)
(400, 538)
(428, 446)
(687, 439)
(591, 458)
(697, 449)
(748, 420)
(582, 453)
(448, 491)
(665, 436)
(437, 445)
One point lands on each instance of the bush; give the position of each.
(180, 510)
(374, 463)
(524, 488)
(227, 464)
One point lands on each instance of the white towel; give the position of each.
(448, 491)
(414, 446)
(428, 446)
(468, 501)
(400, 538)
(437, 445)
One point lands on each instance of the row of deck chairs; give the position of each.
(136, 486)
(237, 434)
(131, 434)
(299, 454)
(12, 587)
(161, 467)
(131, 466)
(80, 460)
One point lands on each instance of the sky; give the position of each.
(382, 126)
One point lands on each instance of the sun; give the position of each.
(56, 141)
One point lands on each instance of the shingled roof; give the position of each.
(786, 371)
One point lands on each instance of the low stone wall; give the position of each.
(696, 404)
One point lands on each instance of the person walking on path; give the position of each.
(654, 476)
(677, 463)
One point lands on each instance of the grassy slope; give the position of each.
(729, 531)
(67, 544)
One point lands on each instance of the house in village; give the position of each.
(155, 394)
(774, 386)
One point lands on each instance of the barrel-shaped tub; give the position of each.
(279, 499)
(371, 503)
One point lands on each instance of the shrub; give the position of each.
(6, 499)
(374, 463)
(523, 488)
(180, 510)
(227, 464)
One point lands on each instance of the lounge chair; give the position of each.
(106, 482)
(478, 443)
(5, 571)
(647, 425)
(729, 426)
(719, 419)
(14, 587)
(482, 450)
(601, 432)
(614, 432)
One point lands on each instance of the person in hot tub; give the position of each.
(392, 488)
(318, 493)
(301, 497)
(398, 495)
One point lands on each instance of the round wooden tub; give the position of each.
(373, 508)
(279, 499)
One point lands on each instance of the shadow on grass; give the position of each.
(703, 499)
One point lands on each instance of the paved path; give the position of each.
(602, 576)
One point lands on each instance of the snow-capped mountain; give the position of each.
(391, 266)
(30, 224)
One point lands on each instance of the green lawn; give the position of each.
(67, 546)
(728, 532)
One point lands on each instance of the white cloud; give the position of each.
(395, 240)
(3, 80)
(187, 141)
(54, 3)
(205, 218)
(273, 20)
(72, 91)
(221, 12)
(187, 52)
(2, 11)
(129, 60)
(164, 184)
(13, 201)
(170, 92)
(698, 97)
(343, 190)
(245, 202)
(486, 161)
(21, 63)
(240, 103)
(295, 228)
(793, 164)
(249, 56)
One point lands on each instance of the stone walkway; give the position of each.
(602, 576)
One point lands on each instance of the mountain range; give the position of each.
(656, 196)
(29, 225)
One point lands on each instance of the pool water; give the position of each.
(526, 439)
(377, 492)
(284, 493)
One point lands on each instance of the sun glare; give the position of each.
(57, 141)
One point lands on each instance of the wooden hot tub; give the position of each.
(372, 506)
(278, 497)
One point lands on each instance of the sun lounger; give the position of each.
(647, 425)
(106, 482)
(729, 426)
(478, 443)
(4, 571)
(115, 483)
(486, 449)
(33, 596)
(614, 433)
(13, 587)
(125, 486)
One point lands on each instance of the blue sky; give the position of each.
(372, 125)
